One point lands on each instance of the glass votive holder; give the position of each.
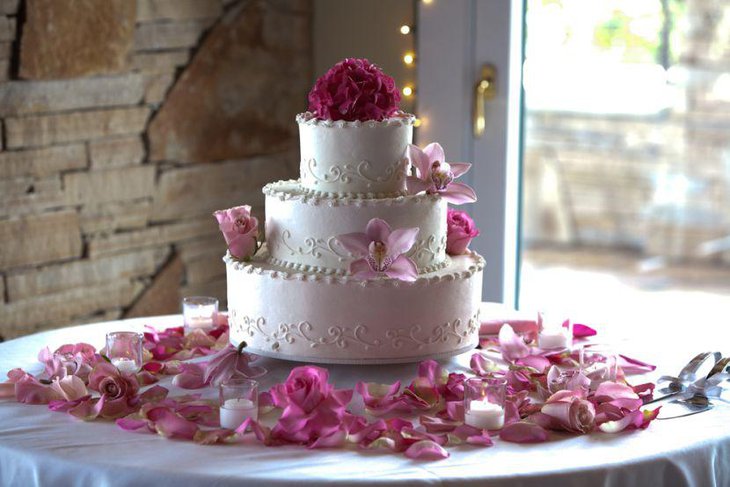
(555, 332)
(199, 312)
(599, 364)
(484, 402)
(124, 350)
(239, 399)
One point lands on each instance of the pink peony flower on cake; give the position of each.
(460, 230)
(381, 251)
(354, 89)
(436, 176)
(240, 230)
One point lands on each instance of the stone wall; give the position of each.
(659, 185)
(124, 125)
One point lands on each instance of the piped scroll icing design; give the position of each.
(457, 330)
(341, 337)
(290, 333)
(360, 172)
(315, 247)
(431, 247)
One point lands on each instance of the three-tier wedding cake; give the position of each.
(355, 268)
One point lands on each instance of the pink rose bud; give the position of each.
(460, 230)
(240, 230)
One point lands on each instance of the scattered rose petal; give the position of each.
(426, 449)
(523, 432)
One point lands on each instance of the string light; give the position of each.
(427, 2)
(417, 122)
(408, 90)
(409, 58)
(405, 29)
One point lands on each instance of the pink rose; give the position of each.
(460, 230)
(354, 89)
(313, 408)
(569, 411)
(240, 230)
(118, 390)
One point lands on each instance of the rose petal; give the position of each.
(523, 432)
(583, 331)
(512, 345)
(426, 449)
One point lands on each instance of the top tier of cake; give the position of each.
(355, 159)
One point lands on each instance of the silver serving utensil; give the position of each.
(678, 386)
(685, 407)
(695, 398)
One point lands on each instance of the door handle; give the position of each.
(484, 90)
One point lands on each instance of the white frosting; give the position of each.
(310, 316)
(340, 157)
(301, 228)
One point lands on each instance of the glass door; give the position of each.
(626, 168)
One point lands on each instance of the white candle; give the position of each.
(235, 411)
(125, 364)
(553, 338)
(485, 415)
(203, 322)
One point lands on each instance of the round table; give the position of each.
(40, 447)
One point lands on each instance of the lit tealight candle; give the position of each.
(235, 411)
(125, 365)
(485, 415)
(553, 338)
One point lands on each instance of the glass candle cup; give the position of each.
(599, 364)
(199, 312)
(484, 402)
(555, 332)
(239, 399)
(124, 350)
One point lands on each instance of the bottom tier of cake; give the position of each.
(310, 317)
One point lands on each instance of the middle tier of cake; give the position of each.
(302, 228)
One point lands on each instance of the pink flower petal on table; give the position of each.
(633, 420)
(645, 391)
(171, 425)
(380, 398)
(154, 394)
(583, 331)
(426, 449)
(459, 168)
(29, 391)
(355, 243)
(492, 326)
(377, 230)
(89, 409)
(513, 347)
(634, 366)
(192, 376)
(401, 240)
(211, 437)
(438, 425)
(403, 269)
(537, 362)
(481, 365)
(335, 440)
(523, 432)
(69, 388)
(131, 424)
(610, 391)
(458, 193)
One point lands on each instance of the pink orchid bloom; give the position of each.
(240, 231)
(381, 251)
(436, 176)
(232, 362)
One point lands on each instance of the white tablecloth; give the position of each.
(40, 447)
